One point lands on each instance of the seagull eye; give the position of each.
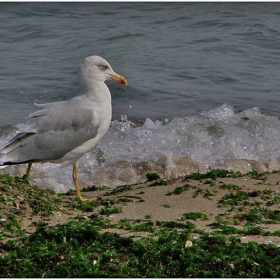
(103, 67)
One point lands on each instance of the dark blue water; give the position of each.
(179, 58)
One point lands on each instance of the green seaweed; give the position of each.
(234, 198)
(179, 190)
(152, 176)
(119, 189)
(158, 180)
(213, 174)
(110, 210)
(194, 216)
(78, 249)
(86, 246)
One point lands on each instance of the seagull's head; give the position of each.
(98, 69)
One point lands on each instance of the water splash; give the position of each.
(219, 138)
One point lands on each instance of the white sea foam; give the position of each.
(219, 138)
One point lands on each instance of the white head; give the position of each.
(97, 69)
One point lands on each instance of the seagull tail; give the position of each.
(9, 149)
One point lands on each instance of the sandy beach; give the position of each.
(236, 201)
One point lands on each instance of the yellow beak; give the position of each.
(118, 78)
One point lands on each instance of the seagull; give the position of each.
(62, 132)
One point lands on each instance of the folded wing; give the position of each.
(50, 133)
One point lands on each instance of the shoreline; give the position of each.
(217, 203)
(158, 199)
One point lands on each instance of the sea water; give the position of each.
(203, 83)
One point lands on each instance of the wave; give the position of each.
(219, 138)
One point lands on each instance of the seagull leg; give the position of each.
(27, 173)
(76, 183)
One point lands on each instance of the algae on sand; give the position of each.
(78, 249)
(88, 244)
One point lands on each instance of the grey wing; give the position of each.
(52, 132)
